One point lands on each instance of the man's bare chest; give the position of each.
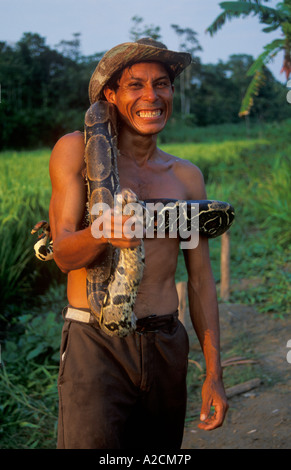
(151, 183)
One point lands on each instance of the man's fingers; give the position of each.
(122, 230)
(214, 404)
(124, 243)
(204, 415)
(205, 410)
(213, 421)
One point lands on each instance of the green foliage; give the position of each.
(279, 17)
(266, 15)
(28, 407)
(252, 90)
(43, 93)
(24, 200)
(140, 30)
(270, 50)
(277, 203)
(39, 341)
(28, 377)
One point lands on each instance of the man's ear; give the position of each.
(109, 95)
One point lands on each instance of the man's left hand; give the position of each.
(213, 395)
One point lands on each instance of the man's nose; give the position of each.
(150, 93)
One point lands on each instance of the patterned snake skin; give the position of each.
(112, 285)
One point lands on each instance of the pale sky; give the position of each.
(106, 23)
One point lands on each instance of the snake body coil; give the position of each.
(112, 284)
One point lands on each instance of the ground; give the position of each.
(259, 418)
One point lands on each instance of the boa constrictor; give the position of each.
(112, 284)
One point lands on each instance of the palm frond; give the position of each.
(256, 69)
(235, 9)
(270, 50)
(269, 29)
(266, 14)
(252, 90)
(220, 21)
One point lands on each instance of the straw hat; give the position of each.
(129, 53)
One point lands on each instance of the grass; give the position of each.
(24, 200)
(248, 167)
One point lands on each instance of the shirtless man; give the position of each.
(131, 392)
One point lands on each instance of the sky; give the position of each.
(106, 23)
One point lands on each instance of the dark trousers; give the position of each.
(123, 393)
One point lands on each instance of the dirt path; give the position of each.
(260, 418)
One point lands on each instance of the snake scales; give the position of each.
(112, 284)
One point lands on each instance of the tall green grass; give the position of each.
(24, 200)
(183, 131)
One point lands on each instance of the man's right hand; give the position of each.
(121, 231)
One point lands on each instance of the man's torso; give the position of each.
(158, 178)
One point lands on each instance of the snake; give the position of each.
(112, 282)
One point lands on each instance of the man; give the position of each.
(131, 392)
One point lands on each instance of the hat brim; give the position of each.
(129, 53)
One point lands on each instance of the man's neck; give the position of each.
(140, 148)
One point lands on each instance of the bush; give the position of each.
(28, 390)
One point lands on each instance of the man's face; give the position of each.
(144, 97)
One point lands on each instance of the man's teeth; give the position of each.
(145, 114)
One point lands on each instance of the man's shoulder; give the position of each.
(68, 152)
(183, 166)
(187, 166)
(71, 139)
(190, 175)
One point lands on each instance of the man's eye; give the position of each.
(135, 85)
(162, 84)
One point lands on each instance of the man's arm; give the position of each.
(74, 247)
(204, 314)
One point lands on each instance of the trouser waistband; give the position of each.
(83, 315)
(150, 323)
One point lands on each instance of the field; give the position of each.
(247, 166)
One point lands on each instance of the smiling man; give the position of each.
(131, 392)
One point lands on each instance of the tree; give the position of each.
(189, 43)
(138, 30)
(44, 93)
(273, 18)
(218, 90)
(71, 49)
